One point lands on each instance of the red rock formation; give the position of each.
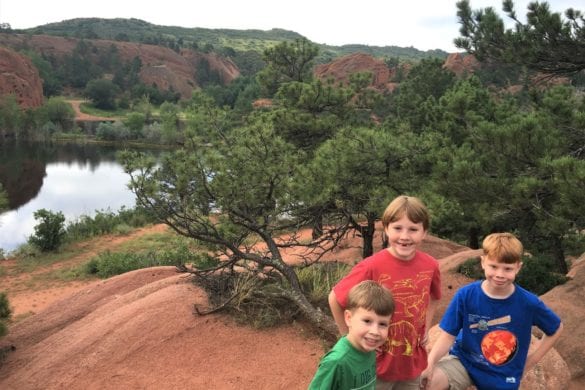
(567, 301)
(161, 66)
(340, 69)
(461, 64)
(18, 76)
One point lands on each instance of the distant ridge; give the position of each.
(219, 40)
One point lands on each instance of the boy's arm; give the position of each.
(337, 312)
(440, 349)
(542, 347)
(429, 319)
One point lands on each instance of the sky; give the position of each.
(422, 24)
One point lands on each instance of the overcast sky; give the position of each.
(423, 24)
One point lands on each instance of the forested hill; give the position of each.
(222, 41)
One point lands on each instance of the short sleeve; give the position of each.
(360, 272)
(327, 376)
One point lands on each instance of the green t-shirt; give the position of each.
(345, 368)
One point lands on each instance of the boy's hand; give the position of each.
(425, 377)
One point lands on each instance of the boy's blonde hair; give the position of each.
(371, 295)
(503, 248)
(410, 206)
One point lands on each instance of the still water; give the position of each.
(73, 179)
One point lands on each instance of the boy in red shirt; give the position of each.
(414, 280)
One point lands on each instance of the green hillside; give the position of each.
(224, 41)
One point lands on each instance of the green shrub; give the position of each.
(471, 268)
(5, 313)
(105, 222)
(108, 264)
(203, 261)
(251, 301)
(260, 301)
(537, 276)
(50, 230)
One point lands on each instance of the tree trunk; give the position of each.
(295, 293)
(368, 238)
(559, 256)
(316, 317)
(473, 238)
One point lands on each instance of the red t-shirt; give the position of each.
(412, 283)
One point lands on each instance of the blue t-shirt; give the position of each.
(493, 335)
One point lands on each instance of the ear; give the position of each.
(347, 317)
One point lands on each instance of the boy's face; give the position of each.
(500, 276)
(367, 330)
(404, 237)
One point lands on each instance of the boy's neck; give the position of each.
(495, 293)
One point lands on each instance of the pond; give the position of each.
(75, 179)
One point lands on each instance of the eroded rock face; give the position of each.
(461, 64)
(341, 68)
(567, 301)
(19, 77)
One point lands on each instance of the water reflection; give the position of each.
(76, 180)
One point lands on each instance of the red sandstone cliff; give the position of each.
(19, 76)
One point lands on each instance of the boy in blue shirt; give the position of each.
(488, 324)
(351, 363)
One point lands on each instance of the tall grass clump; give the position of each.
(108, 264)
(318, 280)
(106, 222)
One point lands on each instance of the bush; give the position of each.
(106, 221)
(5, 313)
(260, 302)
(116, 131)
(49, 232)
(108, 264)
(252, 301)
(536, 275)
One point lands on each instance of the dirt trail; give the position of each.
(80, 116)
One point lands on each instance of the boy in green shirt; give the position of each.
(351, 363)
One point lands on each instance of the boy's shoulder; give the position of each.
(528, 296)
(342, 349)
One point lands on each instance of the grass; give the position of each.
(89, 109)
